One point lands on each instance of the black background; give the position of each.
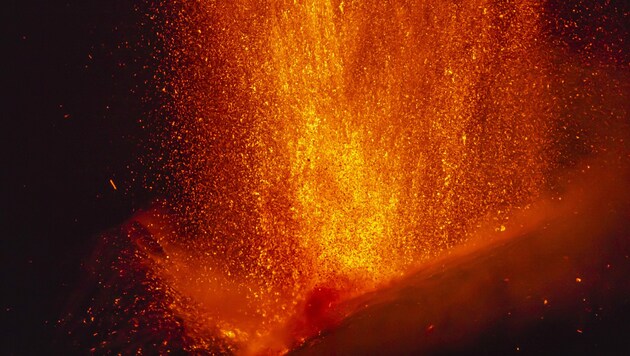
(78, 78)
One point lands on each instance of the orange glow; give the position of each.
(322, 148)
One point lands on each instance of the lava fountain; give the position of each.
(321, 150)
(351, 140)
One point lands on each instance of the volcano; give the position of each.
(344, 177)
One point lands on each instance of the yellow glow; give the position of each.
(340, 143)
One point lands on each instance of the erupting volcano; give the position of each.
(335, 168)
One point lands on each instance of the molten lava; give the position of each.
(320, 149)
(338, 144)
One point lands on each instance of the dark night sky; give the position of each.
(76, 76)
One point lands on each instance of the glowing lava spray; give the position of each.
(330, 146)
